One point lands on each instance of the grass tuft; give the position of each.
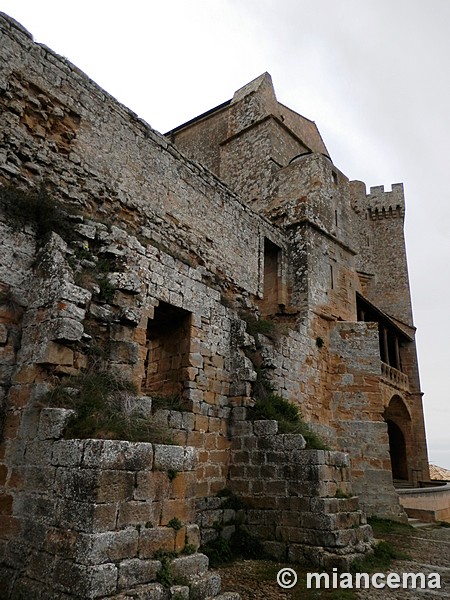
(107, 290)
(9, 301)
(289, 418)
(218, 551)
(241, 545)
(383, 527)
(164, 576)
(105, 409)
(175, 524)
(38, 209)
(383, 555)
(172, 474)
(257, 325)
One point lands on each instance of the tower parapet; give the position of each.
(357, 190)
(382, 204)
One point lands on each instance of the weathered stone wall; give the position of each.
(55, 340)
(156, 239)
(341, 241)
(405, 409)
(310, 200)
(210, 435)
(60, 126)
(300, 502)
(165, 221)
(382, 219)
(219, 517)
(343, 370)
(17, 251)
(93, 518)
(280, 360)
(112, 166)
(362, 432)
(247, 139)
(203, 146)
(254, 147)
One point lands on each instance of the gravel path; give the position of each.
(428, 551)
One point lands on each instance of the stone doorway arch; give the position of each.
(398, 422)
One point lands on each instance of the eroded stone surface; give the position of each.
(206, 293)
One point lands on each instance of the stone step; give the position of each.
(198, 587)
(400, 484)
(205, 586)
(187, 567)
(418, 524)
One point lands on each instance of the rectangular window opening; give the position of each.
(270, 304)
(167, 350)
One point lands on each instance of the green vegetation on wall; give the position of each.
(36, 208)
(106, 408)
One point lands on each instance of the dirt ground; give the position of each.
(419, 551)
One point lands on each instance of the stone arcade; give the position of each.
(234, 218)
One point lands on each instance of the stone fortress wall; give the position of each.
(238, 215)
(345, 260)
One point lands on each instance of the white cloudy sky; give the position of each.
(373, 74)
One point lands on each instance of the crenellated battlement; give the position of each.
(382, 204)
(206, 276)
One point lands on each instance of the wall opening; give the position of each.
(391, 338)
(397, 450)
(270, 304)
(168, 345)
(398, 421)
(394, 352)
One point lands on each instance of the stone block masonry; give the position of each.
(354, 364)
(299, 502)
(66, 128)
(151, 269)
(72, 310)
(346, 259)
(98, 518)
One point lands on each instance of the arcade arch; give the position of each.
(398, 421)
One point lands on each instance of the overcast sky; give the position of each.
(373, 75)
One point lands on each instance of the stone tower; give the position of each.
(343, 271)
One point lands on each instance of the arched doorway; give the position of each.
(397, 450)
(398, 421)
